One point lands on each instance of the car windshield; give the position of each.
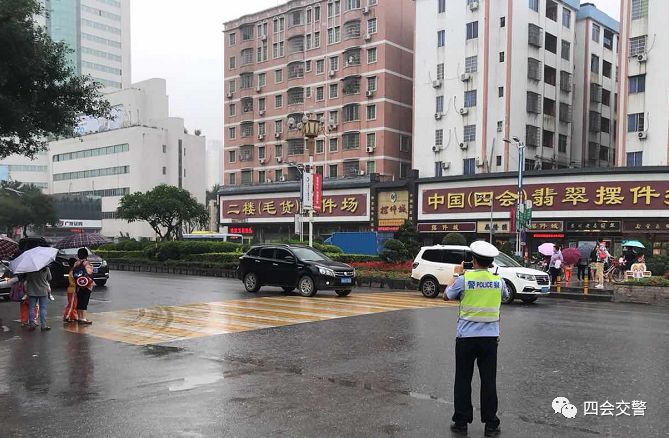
(310, 255)
(505, 261)
(72, 252)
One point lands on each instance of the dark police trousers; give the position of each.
(484, 351)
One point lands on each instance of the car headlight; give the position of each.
(104, 263)
(326, 271)
(528, 277)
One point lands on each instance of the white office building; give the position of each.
(214, 163)
(488, 70)
(643, 104)
(139, 149)
(595, 88)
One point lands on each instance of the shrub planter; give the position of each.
(654, 295)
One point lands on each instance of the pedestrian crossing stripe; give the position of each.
(163, 324)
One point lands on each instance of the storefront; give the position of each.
(568, 208)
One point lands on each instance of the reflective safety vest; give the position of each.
(482, 296)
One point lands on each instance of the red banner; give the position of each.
(318, 192)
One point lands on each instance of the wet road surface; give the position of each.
(227, 363)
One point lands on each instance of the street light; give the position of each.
(311, 126)
(521, 164)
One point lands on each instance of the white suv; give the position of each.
(434, 265)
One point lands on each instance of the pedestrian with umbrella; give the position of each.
(571, 257)
(630, 253)
(555, 264)
(585, 249)
(35, 264)
(81, 240)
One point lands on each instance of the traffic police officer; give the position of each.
(480, 293)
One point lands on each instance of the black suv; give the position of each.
(60, 267)
(294, 266)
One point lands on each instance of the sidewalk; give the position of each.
(581, 290)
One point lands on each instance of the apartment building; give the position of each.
(491, 70)
(349, 62)
(643, 105)
(140, 148)
(595, 88)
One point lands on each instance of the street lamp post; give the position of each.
(311, 126)
(519, 201)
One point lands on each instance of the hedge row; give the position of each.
(113, 254)
(214, 257)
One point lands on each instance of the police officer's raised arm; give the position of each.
(455, 290)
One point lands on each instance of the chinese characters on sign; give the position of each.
(590, 226)
(334, 205)
(392, 209)
(607, 409)
(646, 226)
(462, 227)
(240, 230)
(500, 227)
(584, 196)
(543, 226)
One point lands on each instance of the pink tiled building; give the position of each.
(350, 62)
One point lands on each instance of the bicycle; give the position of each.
(615, 272)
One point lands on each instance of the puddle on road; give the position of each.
(192, 382)
(161, 350)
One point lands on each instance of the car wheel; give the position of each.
(251, 282)
(529, 300)
(288, 290)
(512, 292)
(343, 292)
(100, 282)
(306, 286)
(429, 287)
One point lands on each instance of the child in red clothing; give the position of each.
(71, 309)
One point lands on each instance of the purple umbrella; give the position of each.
(80, 240)
(546, 249)
(571, 256)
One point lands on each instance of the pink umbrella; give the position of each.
(571, 256)
(546, 249)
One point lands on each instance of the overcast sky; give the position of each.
(182, 41)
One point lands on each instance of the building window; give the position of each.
(606, 97)
(262, 79)
(278, 150)
(635, 159)
(470, 98)
(307, 66)
(498, 160)
(501, 56)
(605, 125)
(441, 6)
(405, 143)
(639, 9)
(500, 91)
(320, 66)
(333, 147)
(247, 56)
(532, 135)
(549, 75)
(371, 167)
(441, 38)
(351, 168)
(247, 104)
(246, 153)
(371, 140)
(351, 112)
(232, 85)
(608, 39)
(232, 133)
(247, 177)
(371, 55)
(332, 171)
(606, 69)
(277, 50)
(371, 83)
(261, 153)
(472, 30)
(371, 112)
(278, 101)
(596, 30)
(320, 94)
(165, 147)
(351, 30)
(502, 21)
(533, 104)
(232, 179)
(469, 166)
(635, 122)
(261, 128)
(638, 45)
(295, 146)
(534, 69)
(278, 126)
(551, 42)
(637, 84)
(547, 139)
(320, 146)
(372, 26)
(534, 33)
(562, 143)
(439, 137)
(471, 64)
(278, 76)
(351, 57)
(333, 91)
(278, 175)
(352, 4)
(534, 5)
(232, 62)
(246, 81)
(549, 107)
(232, 39)
(351, 85)
(334, 9)
(551, 10)
(334, 117)
(91, 173)
(594, 64)
(440, 72)
(565, 53)
(439, 107)
(469, 133)
(566, 17)
(246, 129)
(232, 110)
(247, 33)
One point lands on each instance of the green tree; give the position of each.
(454, 239)
(167, 209)
(40, 95)
(394, 251)
(25, 206)
(408, 235)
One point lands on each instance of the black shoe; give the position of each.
(45, 328)
(459, 428)
(492, 431)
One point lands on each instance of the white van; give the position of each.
(434, 265)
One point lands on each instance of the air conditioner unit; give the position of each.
(268, 181)
(445, 165)
(436, 148)
(263, 37)
(261, 136)
(361, 173)
(438, 116)
(369, 93)
(473, 6)
(282, 178)
(464, 111)
(229, 95)
(479, 162)
(464, 77)
(370, 149)
(642, 135)
(331, 73)
(332, 126)
(261, 161)
(279, 159)
(368, 37)
(464, 146)
(436, 83)
(258, 89)
(261, 112)
(365, 10)
(277, 135)
(642, 57)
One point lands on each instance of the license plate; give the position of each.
(545, 289)
(346, 281)
(95, 270)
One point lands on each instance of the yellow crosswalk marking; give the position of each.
(162, 324)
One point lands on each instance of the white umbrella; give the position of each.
(33, 260)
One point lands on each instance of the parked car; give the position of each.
(60, 267)
(433, 270)
(6, 281)
(294, 266)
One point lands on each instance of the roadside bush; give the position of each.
(176, 249)
(351, 258)
(329, 249)
(113, 255)
(127, 245)
(658, 265)
(454, 239)
(649, 281)
(214, 257)
(394, 251)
